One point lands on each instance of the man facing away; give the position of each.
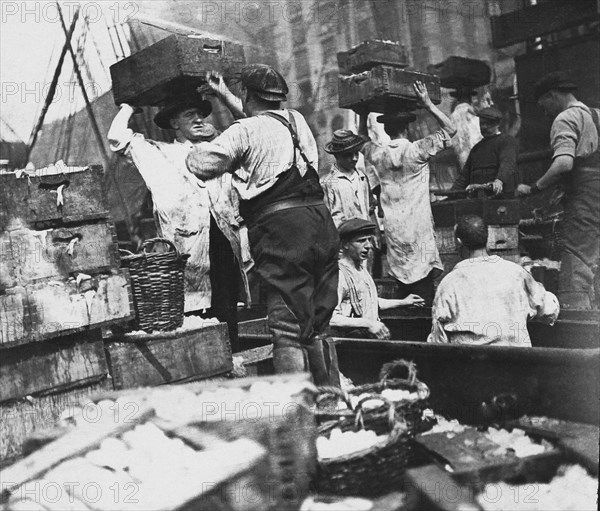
(575, 140)
(403, 171)
(198, 218)
(493, 159)
(486, 300)
(273, 155)
(357, 312)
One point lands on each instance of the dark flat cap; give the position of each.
(397, 118)
(344, 141)
(356, 227)
(557, 80)
(490, 113)
(264, 81)
(178, 104)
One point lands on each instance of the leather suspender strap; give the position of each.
(292, 131)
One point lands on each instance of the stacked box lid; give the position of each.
(373, 75)
(173, 65)
(60, 271)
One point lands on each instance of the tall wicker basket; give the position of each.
(157, 286)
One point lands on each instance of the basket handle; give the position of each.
(323, 391)
(152, 241)
(388, 369)
(360, 412)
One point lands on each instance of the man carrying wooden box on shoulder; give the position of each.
(198, 218)
(403, 171)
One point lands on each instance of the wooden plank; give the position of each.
(33, 368)
(503, 237)
(64, 307)
(31, 255)
(153, 359)
(537, 20)
(21, 418)
(77, 441)
(14, 311)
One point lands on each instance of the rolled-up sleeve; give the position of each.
(209, 160)
(543, 305)
(441, 314)
(429, 146)
(119, 140)
(563, 136)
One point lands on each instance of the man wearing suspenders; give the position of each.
(575, 139)
(294, 243)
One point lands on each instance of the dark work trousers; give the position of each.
(224, 282)
(295, 253)
(581, 237)
(424, 287)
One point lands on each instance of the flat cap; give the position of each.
(356, 227)
(264, 81)
(490, 113)
(556, 80)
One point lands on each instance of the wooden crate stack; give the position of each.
(60, 283)
(372, 75)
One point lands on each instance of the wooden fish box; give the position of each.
(174, 64)
(48, 309)
(384, 87)
(456, 72)
(33, 255)
(24, 416)
(500, 238)
(372, 53)
(140, 359)
(35, 200)
(493, 211)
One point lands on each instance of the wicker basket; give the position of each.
(157, 286)
(409, 412)
(369, 472)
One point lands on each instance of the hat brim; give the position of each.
(357, 146)
(163, 118)
(269, 96)
(386, 119)
(567, 87)
(489, 118)
(363, 231)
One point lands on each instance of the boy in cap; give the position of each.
(347, 190)
(486, 300)
(493, 159)
(403, 171)
(273, 156)
(357, 312)
(575, 139)
(199, 218)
